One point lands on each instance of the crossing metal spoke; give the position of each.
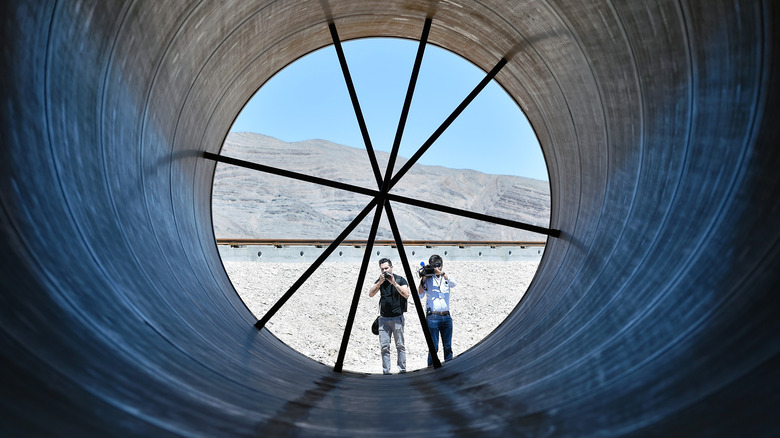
(355, 103)
(332, 247)
(473, 215)
(448, 121)
(358, 289)
(413, 290)
(408, 100)
(290, 174)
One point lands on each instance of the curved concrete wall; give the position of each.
(655, 313)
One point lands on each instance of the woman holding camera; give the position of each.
(436, 287)
(392, 305)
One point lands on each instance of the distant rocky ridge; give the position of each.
(252, 204)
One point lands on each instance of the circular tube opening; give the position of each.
(306, 108)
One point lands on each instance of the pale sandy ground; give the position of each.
(313, 320)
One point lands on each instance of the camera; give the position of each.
(426, 271)
(387, 275)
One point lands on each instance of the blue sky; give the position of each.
(309, 100)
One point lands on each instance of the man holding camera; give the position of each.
(392, 305)
(436, 286)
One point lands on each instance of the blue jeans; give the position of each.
(440, 325)
(392, 326)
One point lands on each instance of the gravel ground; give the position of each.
(313, 320)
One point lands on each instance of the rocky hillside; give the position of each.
(252, 204)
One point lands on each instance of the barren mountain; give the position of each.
(252, 204)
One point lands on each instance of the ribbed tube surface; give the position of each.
(655, 313)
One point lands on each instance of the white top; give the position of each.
(437, 289)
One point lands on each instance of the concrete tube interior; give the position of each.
(655, 312)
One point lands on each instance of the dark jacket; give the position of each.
(391, 303)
